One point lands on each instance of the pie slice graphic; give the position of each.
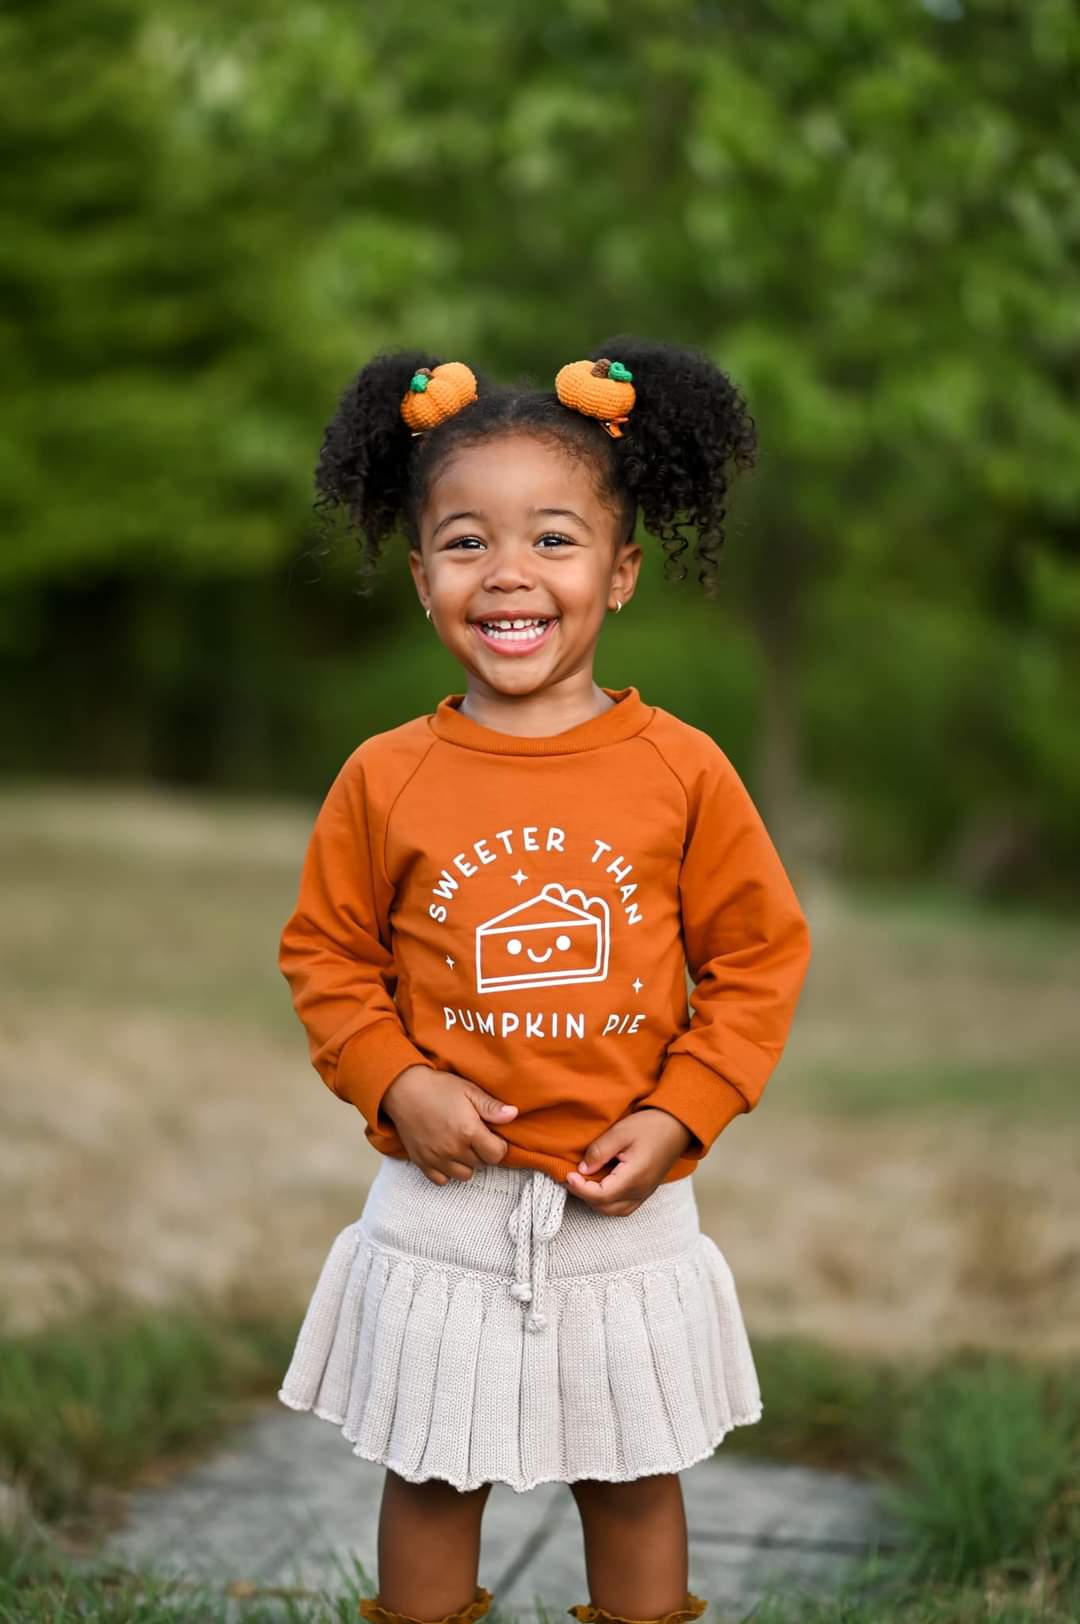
(556, 937)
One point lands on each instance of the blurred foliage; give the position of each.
(868, 213)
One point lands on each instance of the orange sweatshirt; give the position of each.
(521, 911)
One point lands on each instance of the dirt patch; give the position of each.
(162, 1158)
(899, 1237)
(163, 1136)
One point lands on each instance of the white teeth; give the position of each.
(520, 631)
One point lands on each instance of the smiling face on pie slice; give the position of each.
(550, 939)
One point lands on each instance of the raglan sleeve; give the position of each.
(748, 949)
(335, 953)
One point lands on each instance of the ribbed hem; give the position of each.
(588, 1614)
(369, 1062)
(385, 1140)
(701, 1099)
(627, 716)
(370, 1607)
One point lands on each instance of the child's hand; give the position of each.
(441, 1119)
(645, 1145)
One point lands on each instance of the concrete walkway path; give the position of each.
(285, 1504)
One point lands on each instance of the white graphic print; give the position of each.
(555, 937)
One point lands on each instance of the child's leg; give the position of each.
(635, 1544)
(429, 1546)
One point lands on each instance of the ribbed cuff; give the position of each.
(370, 1607)
(368, 1064)
(701, 1099)
(587, 1613)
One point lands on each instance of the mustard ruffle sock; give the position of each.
(371, 1608)
(588, 1614)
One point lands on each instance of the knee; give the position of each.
(435, 1494)
(640, 1497)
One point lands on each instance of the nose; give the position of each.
(509, 568)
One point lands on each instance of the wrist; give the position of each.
(682, 1136)
(400, 1086)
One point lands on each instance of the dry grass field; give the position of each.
(908, 1182)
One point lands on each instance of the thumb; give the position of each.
(489, 1107)
(599, 1152)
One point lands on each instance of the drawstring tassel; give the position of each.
(533, 1223)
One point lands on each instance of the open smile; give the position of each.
(520, 635)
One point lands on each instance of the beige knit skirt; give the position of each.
(499, 1329)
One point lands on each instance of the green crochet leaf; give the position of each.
(620, 373)
(420, 381)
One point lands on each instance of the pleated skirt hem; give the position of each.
(426, 1365)
(402, 1470)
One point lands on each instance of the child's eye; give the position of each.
(550, 535)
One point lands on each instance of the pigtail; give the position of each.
(676, 433)
(362, 476)
(688, 428)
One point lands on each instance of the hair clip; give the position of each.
(436, 393)
(602, 389)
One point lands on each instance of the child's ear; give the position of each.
(419, 574)
(627, 564)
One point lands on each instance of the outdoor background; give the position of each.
(869, 214)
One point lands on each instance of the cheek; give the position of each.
(449, 575)
(587, 586)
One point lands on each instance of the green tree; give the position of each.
(867, 213)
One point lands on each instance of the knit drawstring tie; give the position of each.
(533, 1223)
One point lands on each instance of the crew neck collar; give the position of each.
(627, 716)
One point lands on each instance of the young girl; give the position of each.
(489, 951)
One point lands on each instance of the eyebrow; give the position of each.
(566, 513)
(469, 513)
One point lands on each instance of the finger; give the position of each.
(617, 1186)
(606, 1149)
(486, 1105)
(617, 1209)
(489, 1147)
(586, 1189)
(608, 1209)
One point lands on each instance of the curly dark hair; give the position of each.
(689, 424)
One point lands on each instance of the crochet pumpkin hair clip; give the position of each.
(602, 389)
(436, 393)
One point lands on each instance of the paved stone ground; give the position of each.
(285, 1503)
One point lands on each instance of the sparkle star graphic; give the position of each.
(449, 961)
(636, 984)
(519, 878)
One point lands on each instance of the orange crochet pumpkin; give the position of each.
(602, 389)
(436, 394)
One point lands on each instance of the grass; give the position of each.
(990, 1474)
(39, 1587)
(1002, 1087)
(977, 1456)
(85, 1405)
(901, 1187)
(78, 1600)
(897, 1211)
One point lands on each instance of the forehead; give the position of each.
(513, 472)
